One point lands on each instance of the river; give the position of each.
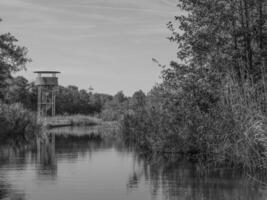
(70, 168)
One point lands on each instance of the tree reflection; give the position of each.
(178, 178)
(168, 176)
(8, 192)
(11, 156)
(46, 158)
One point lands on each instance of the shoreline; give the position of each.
(71, 120)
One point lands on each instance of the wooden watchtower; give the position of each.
(47, 83)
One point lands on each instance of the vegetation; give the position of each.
(212, 101)
(114, 109)
(70, 100)
(17, 124)
(71, 120)
(105, 131)
(13, 58)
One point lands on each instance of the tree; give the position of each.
(138, 101)
(227, 36)
(18, 91)
(119, 97)
(13, 58)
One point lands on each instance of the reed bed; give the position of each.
(233, 132)
(103, 131)
(247, 107)
(72, 120)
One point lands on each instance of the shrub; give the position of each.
(16, 123)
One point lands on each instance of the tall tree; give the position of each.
(13, 58)
(227, 36)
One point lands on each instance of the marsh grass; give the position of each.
(107, 130)
(72, 120)
(241, 138)
(247, 107)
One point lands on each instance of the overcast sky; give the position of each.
(106, 44)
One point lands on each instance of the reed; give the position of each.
(72, 120)
(232, 132)
(107, 130)
(247, 106)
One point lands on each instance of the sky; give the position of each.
(106, 44)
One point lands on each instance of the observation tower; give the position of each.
(47, 84)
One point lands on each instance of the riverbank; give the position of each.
(222, 138)
(81, 126)
(72, 120)
(105, 130)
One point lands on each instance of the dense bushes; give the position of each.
(17, 123)
(229, 133)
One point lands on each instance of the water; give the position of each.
(81, 169)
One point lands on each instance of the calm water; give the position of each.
(81, 169)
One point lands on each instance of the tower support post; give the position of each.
(39, 103)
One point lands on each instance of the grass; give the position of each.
(248, 110)
(102, 131)
(73, 120)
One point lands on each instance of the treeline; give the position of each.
(212, 101)
(69, 100)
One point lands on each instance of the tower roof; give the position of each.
(47, 72)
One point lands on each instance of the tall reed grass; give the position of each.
(232, 132)
(107, 130)
(247, 106)
(72, 120)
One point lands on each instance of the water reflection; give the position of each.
(7, 191)
(46, 158)
(71, 167)
(178, 178)
(107, 130)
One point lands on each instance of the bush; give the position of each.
(17, 123)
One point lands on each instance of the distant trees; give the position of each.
(71, 100)
(116, 107)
